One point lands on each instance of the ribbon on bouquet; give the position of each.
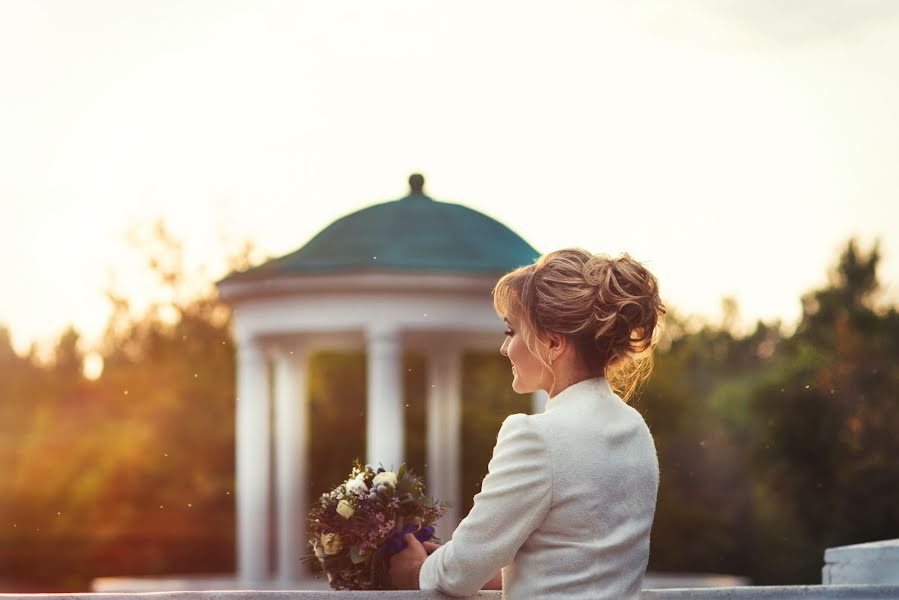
(395, 543)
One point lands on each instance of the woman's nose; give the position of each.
(502, 349)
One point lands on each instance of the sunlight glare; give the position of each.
(93, 366)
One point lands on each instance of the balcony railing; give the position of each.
(860, 572)
(805, 592)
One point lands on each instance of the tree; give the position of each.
(696, 404)
(132, 473)
(826, 420)
(68, 358)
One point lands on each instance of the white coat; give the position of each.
(566, 507)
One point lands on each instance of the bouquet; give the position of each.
(360, 524)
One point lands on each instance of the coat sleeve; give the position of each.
(514, 499)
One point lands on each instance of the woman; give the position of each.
(568, 501)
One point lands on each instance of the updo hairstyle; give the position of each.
(608, 307)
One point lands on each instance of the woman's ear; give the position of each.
(557, 345)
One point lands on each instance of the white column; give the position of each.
(538, 401)
(291, 461)
(444, 456)
(385, 428)
(253, 456)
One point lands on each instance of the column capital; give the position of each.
(287, 349)
(382, 333)
(444, 351)
(249, 351)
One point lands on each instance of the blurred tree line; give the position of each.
(772, 446)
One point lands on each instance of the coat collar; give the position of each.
(595, 387)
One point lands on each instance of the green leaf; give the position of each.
(355, 556)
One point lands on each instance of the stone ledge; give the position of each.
(871, 563)
(792, 592)
(882, 550)
(228, 582)
(805, 592)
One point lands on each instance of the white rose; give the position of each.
(385, 478)
(356, 485)
(345, 509)
(319, 550)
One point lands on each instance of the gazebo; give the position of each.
(412, 273)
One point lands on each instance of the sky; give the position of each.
(734, 147)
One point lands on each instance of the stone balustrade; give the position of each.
(859, 572)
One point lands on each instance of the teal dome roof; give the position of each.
(415, 233)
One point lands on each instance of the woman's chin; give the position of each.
(518, 388)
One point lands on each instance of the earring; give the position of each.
(550, 359)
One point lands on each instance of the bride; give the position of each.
(567, 505)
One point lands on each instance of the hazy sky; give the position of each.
(734, 146)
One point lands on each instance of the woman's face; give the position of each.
(528, 373)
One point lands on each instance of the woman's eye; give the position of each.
(508, 332)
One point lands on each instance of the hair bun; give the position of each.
(627, 305)
(596, 269)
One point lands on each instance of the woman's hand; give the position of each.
(430, 547)
(405, 565)
(496, 583)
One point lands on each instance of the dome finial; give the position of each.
(417, 183)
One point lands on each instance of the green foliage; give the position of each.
(696, 405)
(774, 448)
(827, 418)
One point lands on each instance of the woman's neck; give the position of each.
(567, 378)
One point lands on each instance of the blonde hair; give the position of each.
(608, 307)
